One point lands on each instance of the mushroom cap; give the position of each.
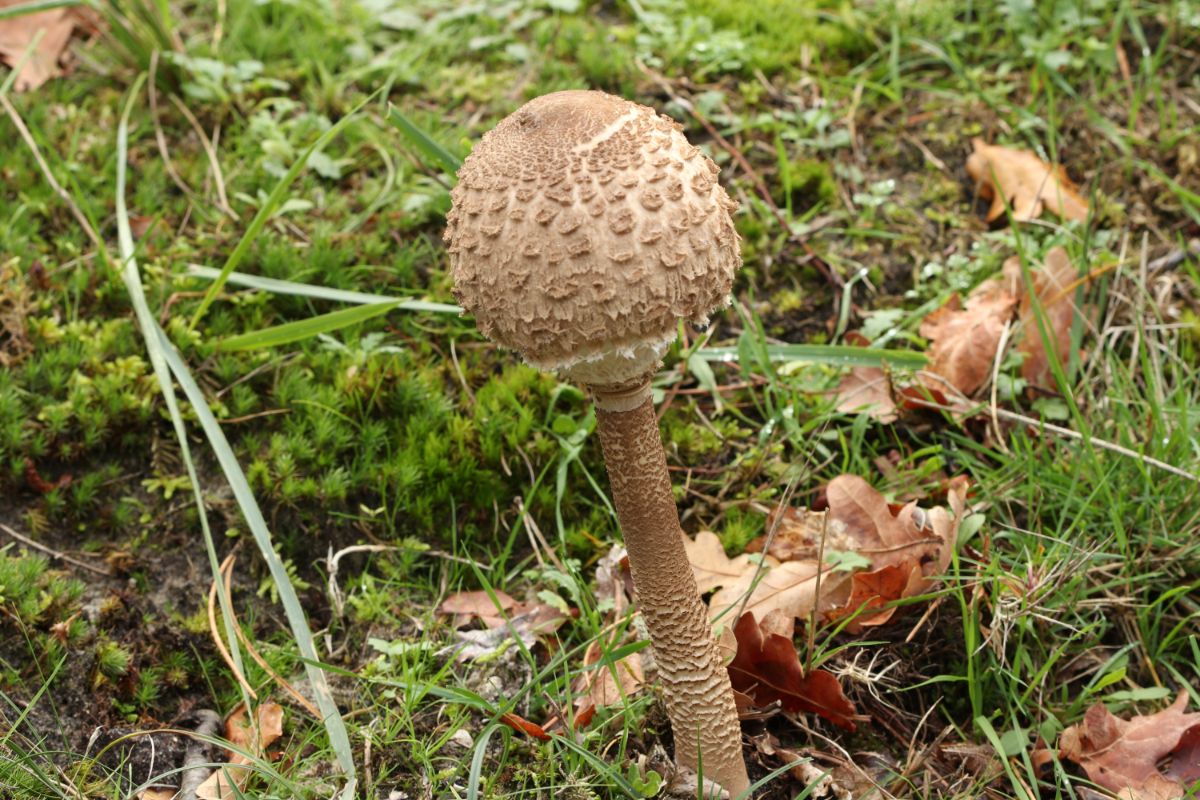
(583, 227)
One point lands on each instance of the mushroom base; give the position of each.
(697, 692)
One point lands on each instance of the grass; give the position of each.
(306, 324)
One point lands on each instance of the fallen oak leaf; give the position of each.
(18, 34)
(228, 781)
(1122, 755)
(790, 587)
(964, 340)
(1018, 178)
(467, 606)
(866, 390)
(767, 669)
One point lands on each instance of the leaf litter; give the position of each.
(1123, 756)
(1018, 179)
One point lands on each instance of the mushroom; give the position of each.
(583, 228)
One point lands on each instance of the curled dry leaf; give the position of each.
(964, 340)
(1122, 755)
(789, 587)
(866, 390)
(1020, 179)
(1054, 285)
(906, 549)
(229, 782)
(767, 669)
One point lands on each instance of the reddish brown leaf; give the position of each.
(1023, 181)
(964, 341)
(522, 725)
(1122, 755)
(1054, 285)
(40, 484)
(767, 668)
(872, 591)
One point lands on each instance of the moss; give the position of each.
(776, 30)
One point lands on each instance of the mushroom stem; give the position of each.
(697, 692)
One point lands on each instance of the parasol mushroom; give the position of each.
(583, 228)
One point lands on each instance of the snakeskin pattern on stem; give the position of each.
(698, 695)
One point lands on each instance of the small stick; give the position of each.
(25, 540)
(1069, 434)
(210, 151)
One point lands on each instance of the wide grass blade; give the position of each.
(305, 328)
(132, 279)
(21, 9)
(166, 361)
(834, 354)
(423, 141)
(267, 209)
(276, 286)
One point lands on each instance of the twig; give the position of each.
(1174, 259)
(780, 508)
(50, 179)
(159, 136)
(1004, 334)
(25, 540)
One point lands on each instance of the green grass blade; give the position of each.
(34, 7)
(132, 279)
(276, 286)
(339, 739)
(837, 355)
(272, 204)
(423, 142)
(167, 361)
(305, 328)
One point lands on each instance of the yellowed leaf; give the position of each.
(1023, 181)
(18, 33)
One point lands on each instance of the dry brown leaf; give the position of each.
(1122, 755)
(1023, 181)
(18, 33)
(158, 794)
(789, 587)
(1054, 285)
(467, 606)
(238, 730)
(866, 390)
(767, 668)
(600, 687)
(964, 341)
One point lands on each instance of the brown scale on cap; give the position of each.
(584, 224)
